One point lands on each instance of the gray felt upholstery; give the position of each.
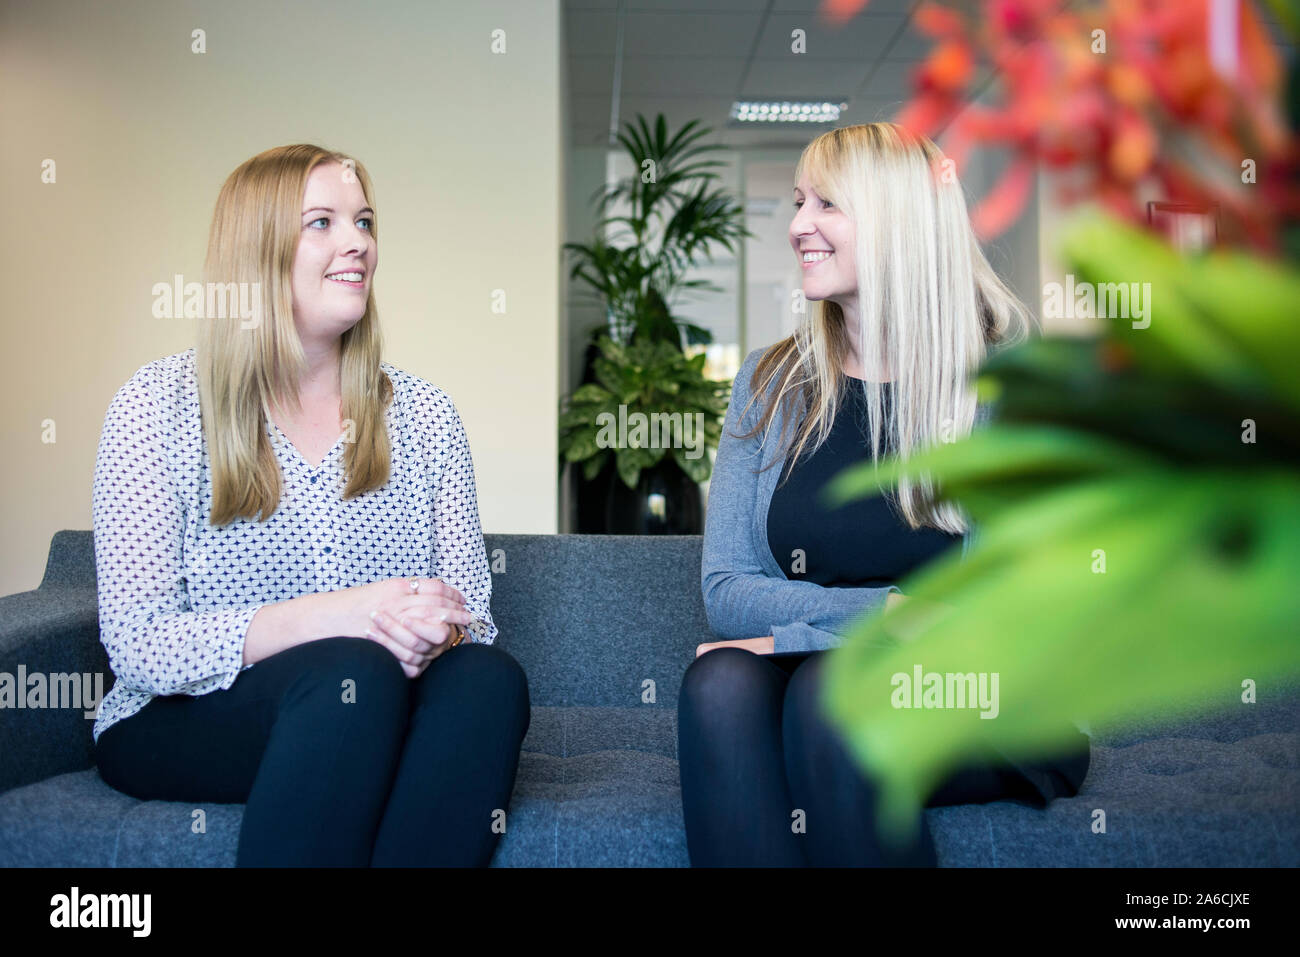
(591, 618)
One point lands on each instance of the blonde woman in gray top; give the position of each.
(903, 306)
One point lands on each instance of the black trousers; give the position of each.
(753, 747)
(340, 758)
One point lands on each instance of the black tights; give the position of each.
(409, 773)
(753, 747)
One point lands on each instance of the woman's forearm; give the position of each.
(284, 624)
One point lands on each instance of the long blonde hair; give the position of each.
(929, 305)
(254, 239)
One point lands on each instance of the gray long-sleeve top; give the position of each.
(746, 594)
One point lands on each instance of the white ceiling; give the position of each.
(693, 60)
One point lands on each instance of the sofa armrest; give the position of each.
(52, 631)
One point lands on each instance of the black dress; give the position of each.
(862, 544)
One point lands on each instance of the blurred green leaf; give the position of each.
(1136, 553)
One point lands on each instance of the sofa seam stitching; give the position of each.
(564, 780)
(117, 836)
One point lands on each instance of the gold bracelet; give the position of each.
(460, 634)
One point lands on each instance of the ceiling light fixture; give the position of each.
(785, 111)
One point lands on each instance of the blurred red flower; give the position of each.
(1128, 98)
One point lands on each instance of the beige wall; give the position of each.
(465, 150)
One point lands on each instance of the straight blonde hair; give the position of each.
(242, 371)
(929, 306)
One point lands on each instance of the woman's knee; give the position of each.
(356, 670)
(724, 678)
(804, 713)
(350, 653)
(483, 673)
(491, 664)
(803, 695)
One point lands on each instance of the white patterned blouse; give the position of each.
(176, 594)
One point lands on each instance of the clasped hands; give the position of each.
(416, 626)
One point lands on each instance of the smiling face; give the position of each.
(822, 237)
(337, 256)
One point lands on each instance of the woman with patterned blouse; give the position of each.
(293, 588)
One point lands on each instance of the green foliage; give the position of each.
(1131, 449)
(674, 217)
(651, 378)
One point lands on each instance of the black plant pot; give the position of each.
(665, 502)
(589, 499)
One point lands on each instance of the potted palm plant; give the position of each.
(653, 226)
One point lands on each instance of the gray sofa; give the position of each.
(592, 619)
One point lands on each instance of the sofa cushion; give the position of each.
(600, 787)
(598, 780)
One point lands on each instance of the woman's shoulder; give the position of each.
(156, 409)
(410, 391)
(747, 368)
(164, 383)
(175, 367)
